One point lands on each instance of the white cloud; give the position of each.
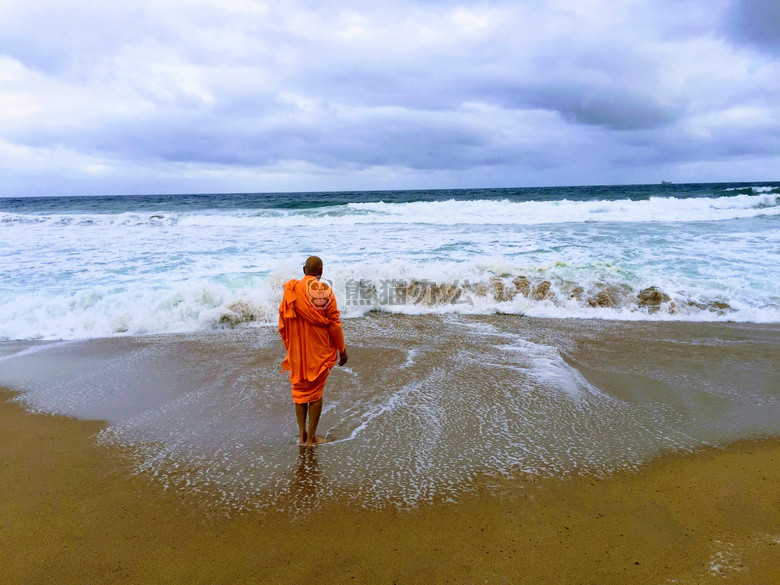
(190, 95)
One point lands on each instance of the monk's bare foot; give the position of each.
(302, 439)
(317, 441)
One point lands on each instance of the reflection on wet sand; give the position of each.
(306, 488)
(427, 405)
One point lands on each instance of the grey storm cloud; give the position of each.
(755, 22)
(619, 110)
(612, 107)
(578, 102)
(92, 94)
(399, 141)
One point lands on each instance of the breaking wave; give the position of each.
(749, 202)
(604, 291)
(77, 275)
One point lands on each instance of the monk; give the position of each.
(310, 326)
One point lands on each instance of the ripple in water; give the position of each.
(426, 406)
(410, 424)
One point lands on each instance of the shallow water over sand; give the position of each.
(426, 405)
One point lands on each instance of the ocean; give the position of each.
(491, 333)
(87, 267)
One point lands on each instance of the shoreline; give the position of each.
(74, 512)
(645, 396)
(232, 326)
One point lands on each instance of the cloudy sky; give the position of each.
(175, 96)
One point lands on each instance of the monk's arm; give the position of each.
(336, 331)
(337, 336)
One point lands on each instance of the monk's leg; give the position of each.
(300, 415)
(315, 409)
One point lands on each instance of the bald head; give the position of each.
(313, 266)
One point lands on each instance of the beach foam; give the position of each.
(136, 269)
(426, 406)
(755, 202)
(560, 291)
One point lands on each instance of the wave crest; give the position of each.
(521, 294)
(200, 306)
(746, 203)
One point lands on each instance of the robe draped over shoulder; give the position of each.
(310, 327)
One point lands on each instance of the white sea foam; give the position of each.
(560, 290)
(78, 276)
(766, 201)
(656, 209)
(210, 415)
(423, 440)
(203, 305)
(765, 189)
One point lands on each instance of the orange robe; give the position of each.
(310, 326)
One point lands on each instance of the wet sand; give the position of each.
(426, 405)
(74, 512)
(501, 450)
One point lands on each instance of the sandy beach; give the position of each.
(73, 512)
(504, 450)
(549, 232)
